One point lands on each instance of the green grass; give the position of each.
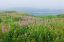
(22, 27)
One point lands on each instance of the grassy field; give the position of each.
(22, 27)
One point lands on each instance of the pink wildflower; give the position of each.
(30, 20)
(3, 29)
(24, 22)
(19, 24)
(7, 15)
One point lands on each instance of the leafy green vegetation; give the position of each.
(22, 27)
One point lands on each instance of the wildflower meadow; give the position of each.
(23, 27)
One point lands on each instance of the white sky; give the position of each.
(40, 4)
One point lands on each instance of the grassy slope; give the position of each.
(21, 27)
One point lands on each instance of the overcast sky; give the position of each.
(40, 4)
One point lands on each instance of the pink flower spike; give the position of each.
(18, 22)
(20, 25)
(3, 29)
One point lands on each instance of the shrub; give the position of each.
(61, 15)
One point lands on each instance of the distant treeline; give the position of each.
(10, 11)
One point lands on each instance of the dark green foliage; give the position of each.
(61, 15)
(17, 19)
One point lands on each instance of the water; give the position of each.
(44, 13)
